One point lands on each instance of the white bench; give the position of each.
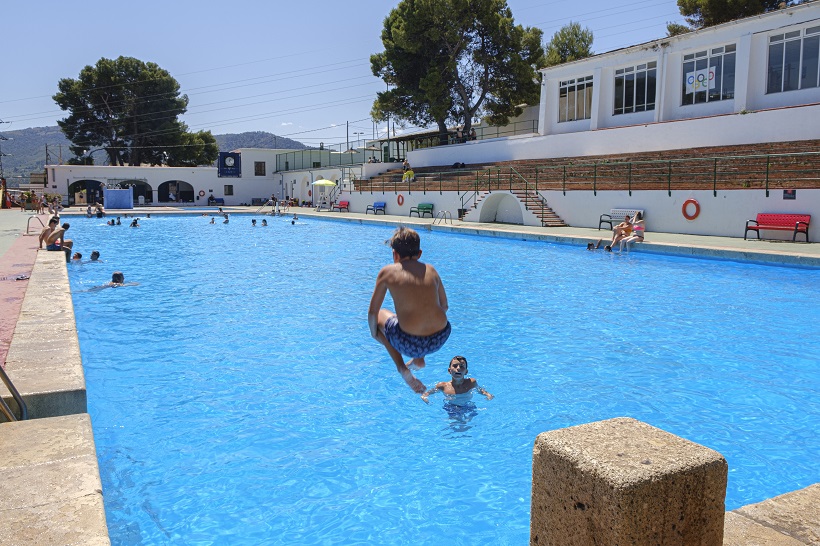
(617, 216)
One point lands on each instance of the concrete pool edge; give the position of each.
(52, 492)
(782, 253)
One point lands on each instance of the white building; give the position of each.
(748, 81)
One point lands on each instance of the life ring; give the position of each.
(400, 199)
(202, 193)
(686, 213)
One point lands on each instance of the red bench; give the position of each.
(797, 223)
(341, 205)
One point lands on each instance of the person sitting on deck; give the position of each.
(621, 231)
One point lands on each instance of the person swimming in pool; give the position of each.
(421, 307)
(460, 384)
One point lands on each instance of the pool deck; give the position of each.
(51, 492)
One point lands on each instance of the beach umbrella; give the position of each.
(324, 182)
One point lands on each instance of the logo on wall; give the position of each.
(230, 165)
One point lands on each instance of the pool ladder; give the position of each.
(28, 224)
(4, 408)
(442, 217)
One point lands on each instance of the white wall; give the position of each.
(781, 125)
(724, 215)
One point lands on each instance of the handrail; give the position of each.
(757, 171)
(17, 398)
(28, 223)
(442, 217)
(268, 202)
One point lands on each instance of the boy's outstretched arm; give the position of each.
(480, 389)
(434, 390)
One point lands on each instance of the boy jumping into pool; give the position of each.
(421, 307)
(459, 384)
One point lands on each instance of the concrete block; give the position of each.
(623, 482)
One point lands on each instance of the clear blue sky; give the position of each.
(296, 69)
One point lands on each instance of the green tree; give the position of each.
(130, 109)
(707, 13)
(454, 60)
(676, 29)
(569, 44)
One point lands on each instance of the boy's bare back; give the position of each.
(418, 294)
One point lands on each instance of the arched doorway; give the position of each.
(143, 193)
(502, 208)
(175, 191)
(84, 192)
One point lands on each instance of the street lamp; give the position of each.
(88, 155)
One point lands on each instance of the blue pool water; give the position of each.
(237, 397)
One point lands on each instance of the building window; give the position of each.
(317, 164)
(793, 60)
(228, 189)
(635, 88)
(575, 99)
(709, 75)
(259, 168)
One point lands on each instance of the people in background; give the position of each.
(76, 257)
(264, 222)
(621, 231)
(95, 256)
(253, 222)
(135, 222)
(638, 231)
(55, 240)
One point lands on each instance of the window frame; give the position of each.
(228, 189)
(786, 41)
(635, 73)
(574, 86)
(721, 56)
(257, 171)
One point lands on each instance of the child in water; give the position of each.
(459, 384)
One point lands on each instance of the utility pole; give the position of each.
(1, 152)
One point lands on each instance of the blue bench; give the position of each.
(218, 201)
(376, 207)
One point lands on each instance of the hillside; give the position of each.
(27, 148)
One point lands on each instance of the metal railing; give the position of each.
(4, 408)
(736, 172)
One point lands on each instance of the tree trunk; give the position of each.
(443, 134)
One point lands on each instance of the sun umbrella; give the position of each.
(324, 182)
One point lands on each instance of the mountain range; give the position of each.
(29, 150)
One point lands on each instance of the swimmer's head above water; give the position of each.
(458, 365)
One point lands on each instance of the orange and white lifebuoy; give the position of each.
(685, 210)
(400, 199)
(202, 193)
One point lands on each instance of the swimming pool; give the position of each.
(237, 397)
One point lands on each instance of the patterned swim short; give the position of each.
(414, 346)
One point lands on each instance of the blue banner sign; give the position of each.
(230, 165)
